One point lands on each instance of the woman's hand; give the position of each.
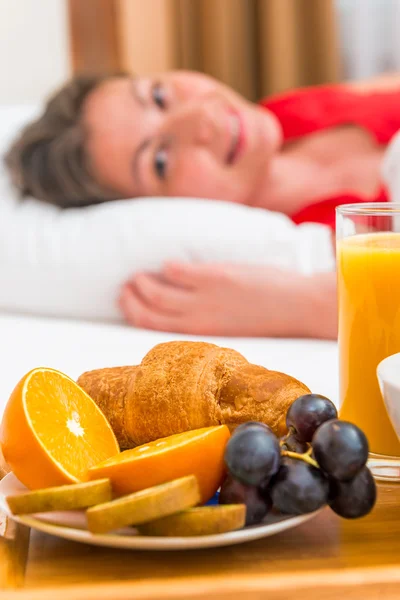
(232, 300)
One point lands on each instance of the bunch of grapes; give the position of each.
(321, 460)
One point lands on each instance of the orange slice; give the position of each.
(52, 431)
(199, 452)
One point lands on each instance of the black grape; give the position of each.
(252, 424)
(355, 498)
(307, 413)
(253, 455)
(257, 503)
(340, 448)
(298, 488)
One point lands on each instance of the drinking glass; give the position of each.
(368, 269)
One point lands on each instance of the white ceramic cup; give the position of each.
(388, 372)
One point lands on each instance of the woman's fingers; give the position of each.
(161, 295)
(198, 299)
(191, 275)
(139, 314)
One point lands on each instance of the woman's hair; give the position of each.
(48, 159)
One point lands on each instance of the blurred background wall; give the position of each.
(34, 49)
(256, 46)
(369, 32)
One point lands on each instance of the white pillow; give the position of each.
(73, 262)
(12, 119)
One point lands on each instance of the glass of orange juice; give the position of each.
(368, 267)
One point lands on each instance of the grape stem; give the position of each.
(304, 457)
(283, 440)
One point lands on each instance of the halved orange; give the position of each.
(52, 431)
(199, 452)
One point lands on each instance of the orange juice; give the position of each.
(369, 331)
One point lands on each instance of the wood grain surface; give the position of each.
(14, 545)
(322, 559)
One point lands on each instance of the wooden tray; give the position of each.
(326, 558)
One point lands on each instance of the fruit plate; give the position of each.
(72, 526)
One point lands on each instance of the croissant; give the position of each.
(181, 386)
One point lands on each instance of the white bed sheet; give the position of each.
(77, 346)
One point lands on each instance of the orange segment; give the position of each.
(52, 431)
(199, 452)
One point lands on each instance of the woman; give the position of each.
(185, 134)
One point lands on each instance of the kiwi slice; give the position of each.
(147, 505)
(64, 497)
(204, 520)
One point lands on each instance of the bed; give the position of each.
(76, 346)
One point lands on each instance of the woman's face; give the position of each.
(178, 134)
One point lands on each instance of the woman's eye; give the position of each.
(159, 96)
(160, 163)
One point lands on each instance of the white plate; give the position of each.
(72, 526)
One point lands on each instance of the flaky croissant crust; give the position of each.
(181, 386)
